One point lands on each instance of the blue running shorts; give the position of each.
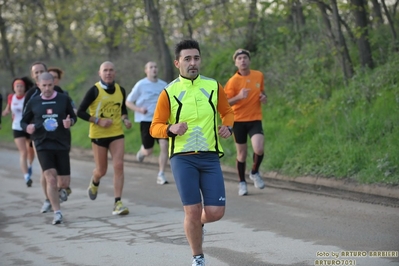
(196, 173)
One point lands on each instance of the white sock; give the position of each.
(26, 176)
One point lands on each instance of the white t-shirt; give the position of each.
(17, 106)
(145, 93)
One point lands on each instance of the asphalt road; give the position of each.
(268, 227)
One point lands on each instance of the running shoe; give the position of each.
(140, 156)
(161, 180)
(198, 260)
(119, 209)
(63, 195)
(69, 191)
(29, 182)
(258, 182)
(92, 190)
(57, 218)
(242, 188)
(46, 206)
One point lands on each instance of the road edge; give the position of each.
(372, 193)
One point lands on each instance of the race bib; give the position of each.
(50, 124)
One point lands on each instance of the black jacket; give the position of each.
(48, 116)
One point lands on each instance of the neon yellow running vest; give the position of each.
(106, 106)
(194, 102)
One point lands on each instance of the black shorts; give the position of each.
(105, 142)
(20, 134)
(56, 159)
(243, 129)
(146, 139)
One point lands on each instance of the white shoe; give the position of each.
(242, 188)
(63, 195)
(46, 206)
(198, 261)
(57, 218)
(161, 180)
(139, 156)
(258, 182)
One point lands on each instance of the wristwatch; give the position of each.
(230, 129)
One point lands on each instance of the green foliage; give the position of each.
(5, 131)
(353, 134)
(218, 63)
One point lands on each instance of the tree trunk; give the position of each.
(297, 11)
(377, 14)
(343, 23)
(338, 41)
(395, 6)
(159, 40)
(363, 43)
(64, 37)
(346, 61)
(186, 18)
(113, 28)
(391, 25)
(297, 19)
(6, 46)
(250, 41)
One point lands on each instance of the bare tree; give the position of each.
(186, 18)
(337, 38)
(159, 39)
(250, 41)
(4, 42)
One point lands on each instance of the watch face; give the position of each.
(50, 124)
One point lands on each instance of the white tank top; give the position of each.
(17, 106)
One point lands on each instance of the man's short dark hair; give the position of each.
(184, 45)
(38, 63)
(240, 52)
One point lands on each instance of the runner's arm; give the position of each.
(27, 116)
(224, 108)
(84, 105)
(124, 109)
(159, 126)
(71, 112)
